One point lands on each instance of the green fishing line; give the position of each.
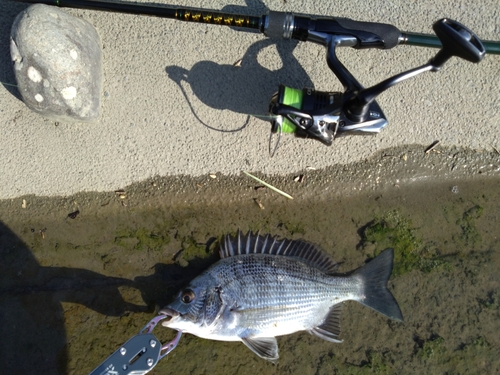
(293, 98)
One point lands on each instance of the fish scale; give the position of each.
(303, 296)
(264, 287)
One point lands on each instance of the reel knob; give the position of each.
(457, 40)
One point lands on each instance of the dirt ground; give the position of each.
(80, 275)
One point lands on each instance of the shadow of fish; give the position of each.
(263, 287)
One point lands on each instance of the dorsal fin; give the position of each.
(256, 244)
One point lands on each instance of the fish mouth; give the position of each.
(170, 314)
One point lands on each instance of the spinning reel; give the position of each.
(321, 115)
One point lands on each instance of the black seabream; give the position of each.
(263, 287)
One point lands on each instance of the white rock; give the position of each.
(57, 63)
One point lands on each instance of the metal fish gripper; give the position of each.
(140, 354)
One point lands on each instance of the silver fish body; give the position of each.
(263, 287)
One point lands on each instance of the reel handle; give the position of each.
(457, 40)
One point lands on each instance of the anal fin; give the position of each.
(330, 329)
(264, 347)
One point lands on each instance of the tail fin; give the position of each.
(374, 276)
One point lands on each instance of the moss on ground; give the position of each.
(391, 230)
(432, 348)
(469, 234)
(142, 239)
(435, 354)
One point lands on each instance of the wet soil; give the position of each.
(82, 274)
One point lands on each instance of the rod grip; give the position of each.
(281, 25)
(388, 34)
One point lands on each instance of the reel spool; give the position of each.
(306, 113)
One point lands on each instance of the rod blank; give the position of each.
(218, 18)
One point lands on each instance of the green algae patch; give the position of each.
(391, 230)
(142, 239)
(432, 348)
(475, 357)
(192, 249)
(492, 301)
(469, 233)
(435, 354)
(295, 227)
(375, 363)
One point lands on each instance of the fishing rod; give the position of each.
(273, 20)
(310, 113)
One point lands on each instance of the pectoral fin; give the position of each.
(264, 347)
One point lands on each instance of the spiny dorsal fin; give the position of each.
(256, 244)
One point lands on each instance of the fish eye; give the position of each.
(187, 296)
